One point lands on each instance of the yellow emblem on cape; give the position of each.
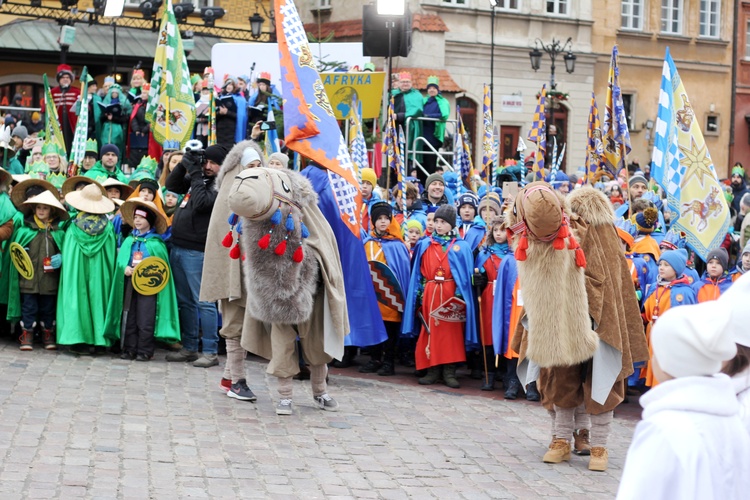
(679, 297)
(646, 258)
(456, 248)
(21, 261)
(150, 276)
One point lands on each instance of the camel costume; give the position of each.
(292, 275)
(575, 364)
(222, 275)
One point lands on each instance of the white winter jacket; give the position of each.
(741, 383)
(690, 444)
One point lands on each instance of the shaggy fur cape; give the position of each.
(553, 289)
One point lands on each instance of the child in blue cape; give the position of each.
(716, 279)
(384, 245)
(468, 204)
(440, 301)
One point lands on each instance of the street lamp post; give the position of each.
(553, 50)
(493, 4)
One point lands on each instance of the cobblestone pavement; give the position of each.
(99, 427)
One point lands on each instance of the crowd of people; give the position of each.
(448, 265)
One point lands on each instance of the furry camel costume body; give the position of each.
(576, 364)
(294, 280)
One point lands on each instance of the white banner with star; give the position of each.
(682, 165)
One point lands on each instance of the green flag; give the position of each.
(52, 131)
(171, 105)
(82, 126)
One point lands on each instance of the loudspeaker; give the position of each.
(375, 33)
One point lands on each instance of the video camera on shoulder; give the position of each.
(195, 146)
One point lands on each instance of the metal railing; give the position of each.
(414, 151)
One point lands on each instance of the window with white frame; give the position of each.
(747, 40)
(323, 4)
(557, 7)
(709, 18)
(632, 14)
(507, 4)
(455, 2)
(671, 16)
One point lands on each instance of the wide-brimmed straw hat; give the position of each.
(71, 182)
(127, 210)
(90, 200)
(18, 195)
(5, 178)
(45, 198)
(125, 190)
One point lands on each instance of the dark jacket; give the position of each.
(426, 203)
(190, 222)
(738, 192)
(138, 123)
(226, 124)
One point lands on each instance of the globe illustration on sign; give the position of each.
(342, 100)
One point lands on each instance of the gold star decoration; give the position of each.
(697, 162)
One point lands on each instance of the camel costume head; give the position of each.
(551, 274)
(281, 272)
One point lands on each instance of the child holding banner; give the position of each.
(151, 310)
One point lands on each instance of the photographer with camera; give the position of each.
(194, 177)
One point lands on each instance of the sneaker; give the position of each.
(284, 407)
(182, 356)
(206, 361)
(225, 384)
(326, 402)
(599, 459)
(143, 357)
(241, 391)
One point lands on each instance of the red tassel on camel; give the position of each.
(234, 253)
(523, 245)
(280, 248)
(228, 239)
(298, 255)
(264, 241)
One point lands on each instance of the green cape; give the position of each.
(100, 174)
(7, 212)
(23, 235)
(85, 283)
(445, 110)
(167, 324)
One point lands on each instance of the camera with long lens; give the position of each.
(196, 147)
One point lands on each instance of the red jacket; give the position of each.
(65, 102)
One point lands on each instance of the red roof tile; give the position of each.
(419, 78)
(353, 27)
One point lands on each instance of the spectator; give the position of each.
(65, 96)
(435, 106)
(140, 129)
(19, 115)
(36, 124)
(226, 114)
(408, 103)
(189, 230)
(739, 186)
(107, 166)
(115, 111)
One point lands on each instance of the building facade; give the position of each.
(740, 144)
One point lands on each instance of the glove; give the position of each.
(191, 161)
(479, 280)
(56, 261)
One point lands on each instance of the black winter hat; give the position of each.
(216, 153)
(447, 213)
(380, 208)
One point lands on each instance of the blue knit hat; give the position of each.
(109, 148)
(646, 221)
(468, 199)
(677, 259)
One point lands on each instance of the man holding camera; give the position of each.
(194, 177)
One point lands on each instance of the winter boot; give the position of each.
(26, 339)
(449, 376)
(48, 337)
(489, 383)
(559, 451)
(581, 445)
(532, 394)
(387, 368)
(599, 459)
(513, 388)
(433, 375)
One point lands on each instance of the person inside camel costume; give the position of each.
(293, 279)
(579, 343)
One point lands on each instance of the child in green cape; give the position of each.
(40, 233)
(150, 317)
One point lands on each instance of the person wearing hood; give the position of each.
(691, 442)
(561, 182)
(223, 278)
(739, 186)
(230, 115)
(115, 111)
(140, 128)
(19, 115)
(437, 107)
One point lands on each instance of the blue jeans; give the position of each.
(187, 268)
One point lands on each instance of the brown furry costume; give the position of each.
(308, 295)
(608, 300)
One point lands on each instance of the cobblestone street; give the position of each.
(99, 427)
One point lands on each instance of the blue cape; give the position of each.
(397, 259)
(272, 101)
(506, 280)
(725, 281)
(621, 212)
(501, 250)
(365, 321)
(240, 130)
(474, 236)
(683, 289)
(462, 268)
